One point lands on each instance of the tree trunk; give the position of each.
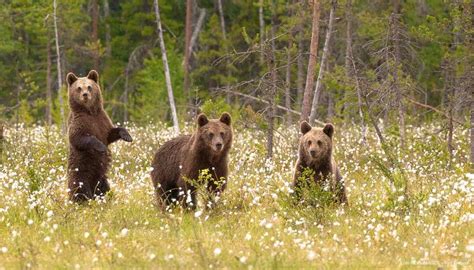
(472, 128)
(348, 66)
(396, 42)
(262, 30)
(313, 54)
(125, 95)
(273, 77)
(95, 32)
(58, 61)
(2, 140)
(288, 73)
(319, 82)
(187, 43)
(166, 68)
(49, 99)
(108, 38)
(300, 67)
(224, 36)
(197, 30)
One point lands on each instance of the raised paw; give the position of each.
(124, 135)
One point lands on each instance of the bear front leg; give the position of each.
(117, 134)
(84, 143)
(80, 191)
(102, 188)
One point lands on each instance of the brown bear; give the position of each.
(315, 153)
(90, 131)
(178, 163)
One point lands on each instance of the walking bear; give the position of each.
(315, 153)
(90, 131)
(178, 163)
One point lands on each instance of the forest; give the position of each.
(394, 77)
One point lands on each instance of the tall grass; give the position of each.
(408, 208)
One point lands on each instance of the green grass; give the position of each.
(408, 208)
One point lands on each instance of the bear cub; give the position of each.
(315, 153)
(90, 131)
(178, 162)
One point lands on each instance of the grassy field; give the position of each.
(408, 209)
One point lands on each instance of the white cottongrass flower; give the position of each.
(124, 232)
(4, 249)
(217, 251)
(311, 255)
(197, 214)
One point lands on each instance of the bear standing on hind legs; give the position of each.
(178, 162)
(90, 131)
(315, 153)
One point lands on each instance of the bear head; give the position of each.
(84, 92)
(215, 135)
(316, 143)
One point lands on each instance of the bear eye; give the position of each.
(79, 89)
(89, 88)
(211, 135)
(320, 143)
(222, 134)
(310, 142)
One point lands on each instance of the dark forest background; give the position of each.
(383, 65)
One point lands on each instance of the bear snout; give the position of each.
(219, 146)
(312, 153)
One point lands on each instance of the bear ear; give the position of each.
(93, 75)
(71, 78)
(225, 118)
(329, 130)
(305, 127)
(202, 120)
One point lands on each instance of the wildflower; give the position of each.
(124, 232)
(198, 213)
(217, 251)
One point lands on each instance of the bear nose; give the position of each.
(313, 153)
(219, 146)
(85, 95)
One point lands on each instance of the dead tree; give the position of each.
(95, 32)
(49, 98)
(313, 54)
(224, 36)
(187, 42)
(271, 110)
(166, 68)
(58, 61)
(108, 38)
(324, 60)
(288, 71)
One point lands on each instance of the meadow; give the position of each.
(409, 208)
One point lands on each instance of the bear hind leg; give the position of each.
(102, 188)
(80, 191)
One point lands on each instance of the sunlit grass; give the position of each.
(256, 222)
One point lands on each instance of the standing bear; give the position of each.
(178, 163)
(315, 154)
(90, 131)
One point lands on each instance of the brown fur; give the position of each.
(315, 153)
(90, 131)
(182, 158)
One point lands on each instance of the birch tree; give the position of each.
(58, 61)
(166, 67)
